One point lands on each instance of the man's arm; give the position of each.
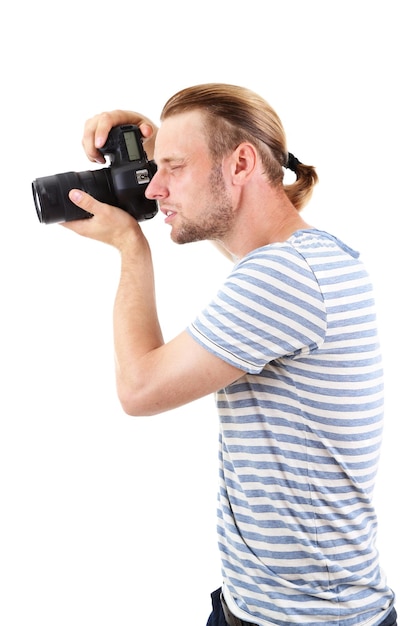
(151, 376)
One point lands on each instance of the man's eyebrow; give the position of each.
(167, 160)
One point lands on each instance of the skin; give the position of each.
(200, 200)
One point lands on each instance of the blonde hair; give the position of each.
(236, 114)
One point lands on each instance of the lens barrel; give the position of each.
(50, 194)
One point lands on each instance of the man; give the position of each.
(289, 346)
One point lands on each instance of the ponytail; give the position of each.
(300, 191)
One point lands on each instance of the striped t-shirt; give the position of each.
(300, 435)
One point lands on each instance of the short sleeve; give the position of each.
(269, 307)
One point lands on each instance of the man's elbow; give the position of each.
(136, 403)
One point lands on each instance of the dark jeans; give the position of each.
(217, 616)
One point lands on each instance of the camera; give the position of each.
(123, 183)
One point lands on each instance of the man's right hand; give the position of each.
(97, 128)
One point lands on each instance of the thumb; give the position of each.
(83, 200)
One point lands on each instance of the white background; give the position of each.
(108, 520)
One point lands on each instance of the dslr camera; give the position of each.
(122, 183)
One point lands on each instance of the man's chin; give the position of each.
(176, 238)
(180, 236)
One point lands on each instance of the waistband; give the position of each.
(232, 620)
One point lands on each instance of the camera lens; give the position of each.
(37, 200)
(50, 194)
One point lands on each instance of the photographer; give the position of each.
(289, 346)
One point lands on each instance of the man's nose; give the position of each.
(155, 190)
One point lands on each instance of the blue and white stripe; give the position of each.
(300, 435)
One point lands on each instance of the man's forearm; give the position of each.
(136, 327)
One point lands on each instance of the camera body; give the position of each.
(123, 183)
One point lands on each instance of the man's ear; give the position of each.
(244, 160)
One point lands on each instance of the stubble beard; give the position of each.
(217, 218)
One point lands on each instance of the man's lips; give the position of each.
(169, 214)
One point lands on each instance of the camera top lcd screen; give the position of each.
(132, 146)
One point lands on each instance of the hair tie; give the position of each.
(292, 162)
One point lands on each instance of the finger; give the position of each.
(146, 129)
(89, 140)
(88, 203)
(84, 201)
(105, 123)
(149, 132)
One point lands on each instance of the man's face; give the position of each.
(188, 186)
